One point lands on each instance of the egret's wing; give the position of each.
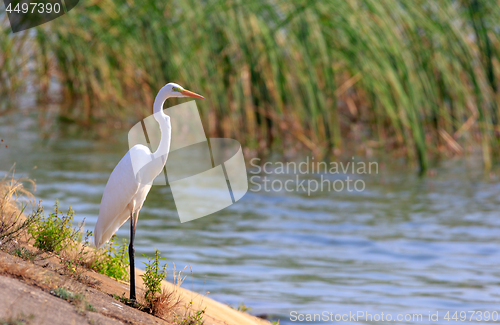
(119, 192)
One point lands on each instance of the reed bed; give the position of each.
(419, 78)
(12, 64)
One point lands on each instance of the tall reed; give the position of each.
(13, 59)
(419, 77)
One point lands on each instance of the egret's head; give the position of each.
(175, 90)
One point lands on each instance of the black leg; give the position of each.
(131, 253)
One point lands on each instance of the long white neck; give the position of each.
(146, 168)
(165, 127)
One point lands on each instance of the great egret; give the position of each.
(125, 193)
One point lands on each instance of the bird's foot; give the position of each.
(133, 303)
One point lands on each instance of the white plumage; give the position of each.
(123, 196)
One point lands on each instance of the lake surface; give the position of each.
(404, 245)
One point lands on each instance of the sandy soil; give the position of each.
(26, 287)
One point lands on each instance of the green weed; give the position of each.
(242, 307)
(24, 253)
(158, 300)
(154, 275)
(190, 316)
(55, 233)
(75, 261)
(63, 293)
(112, 261)
(76, 299)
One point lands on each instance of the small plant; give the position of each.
(24, 253)
(89, 307)
(190, 317)
(81, 257)
(242, 307)
(63, 293)
(74, 262)
(122, 299)
(159, 301)
(111, 261)
(153, 277)
(132, 303)
(55, 233)
(76, 299)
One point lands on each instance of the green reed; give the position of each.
(12, 63)
(419, 78)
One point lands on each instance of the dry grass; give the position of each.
(15, 196)
(28, 272)
(166, 305)
(16, 270)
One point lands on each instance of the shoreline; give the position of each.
(29, 289)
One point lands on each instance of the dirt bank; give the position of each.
(29, 293)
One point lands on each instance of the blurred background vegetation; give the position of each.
(418, 79)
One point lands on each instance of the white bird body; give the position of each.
(127, 187)
(123, 195)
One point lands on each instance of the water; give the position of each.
(404, 245)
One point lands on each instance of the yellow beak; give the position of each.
(190, 94)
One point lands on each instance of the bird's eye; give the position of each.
(176, 88)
